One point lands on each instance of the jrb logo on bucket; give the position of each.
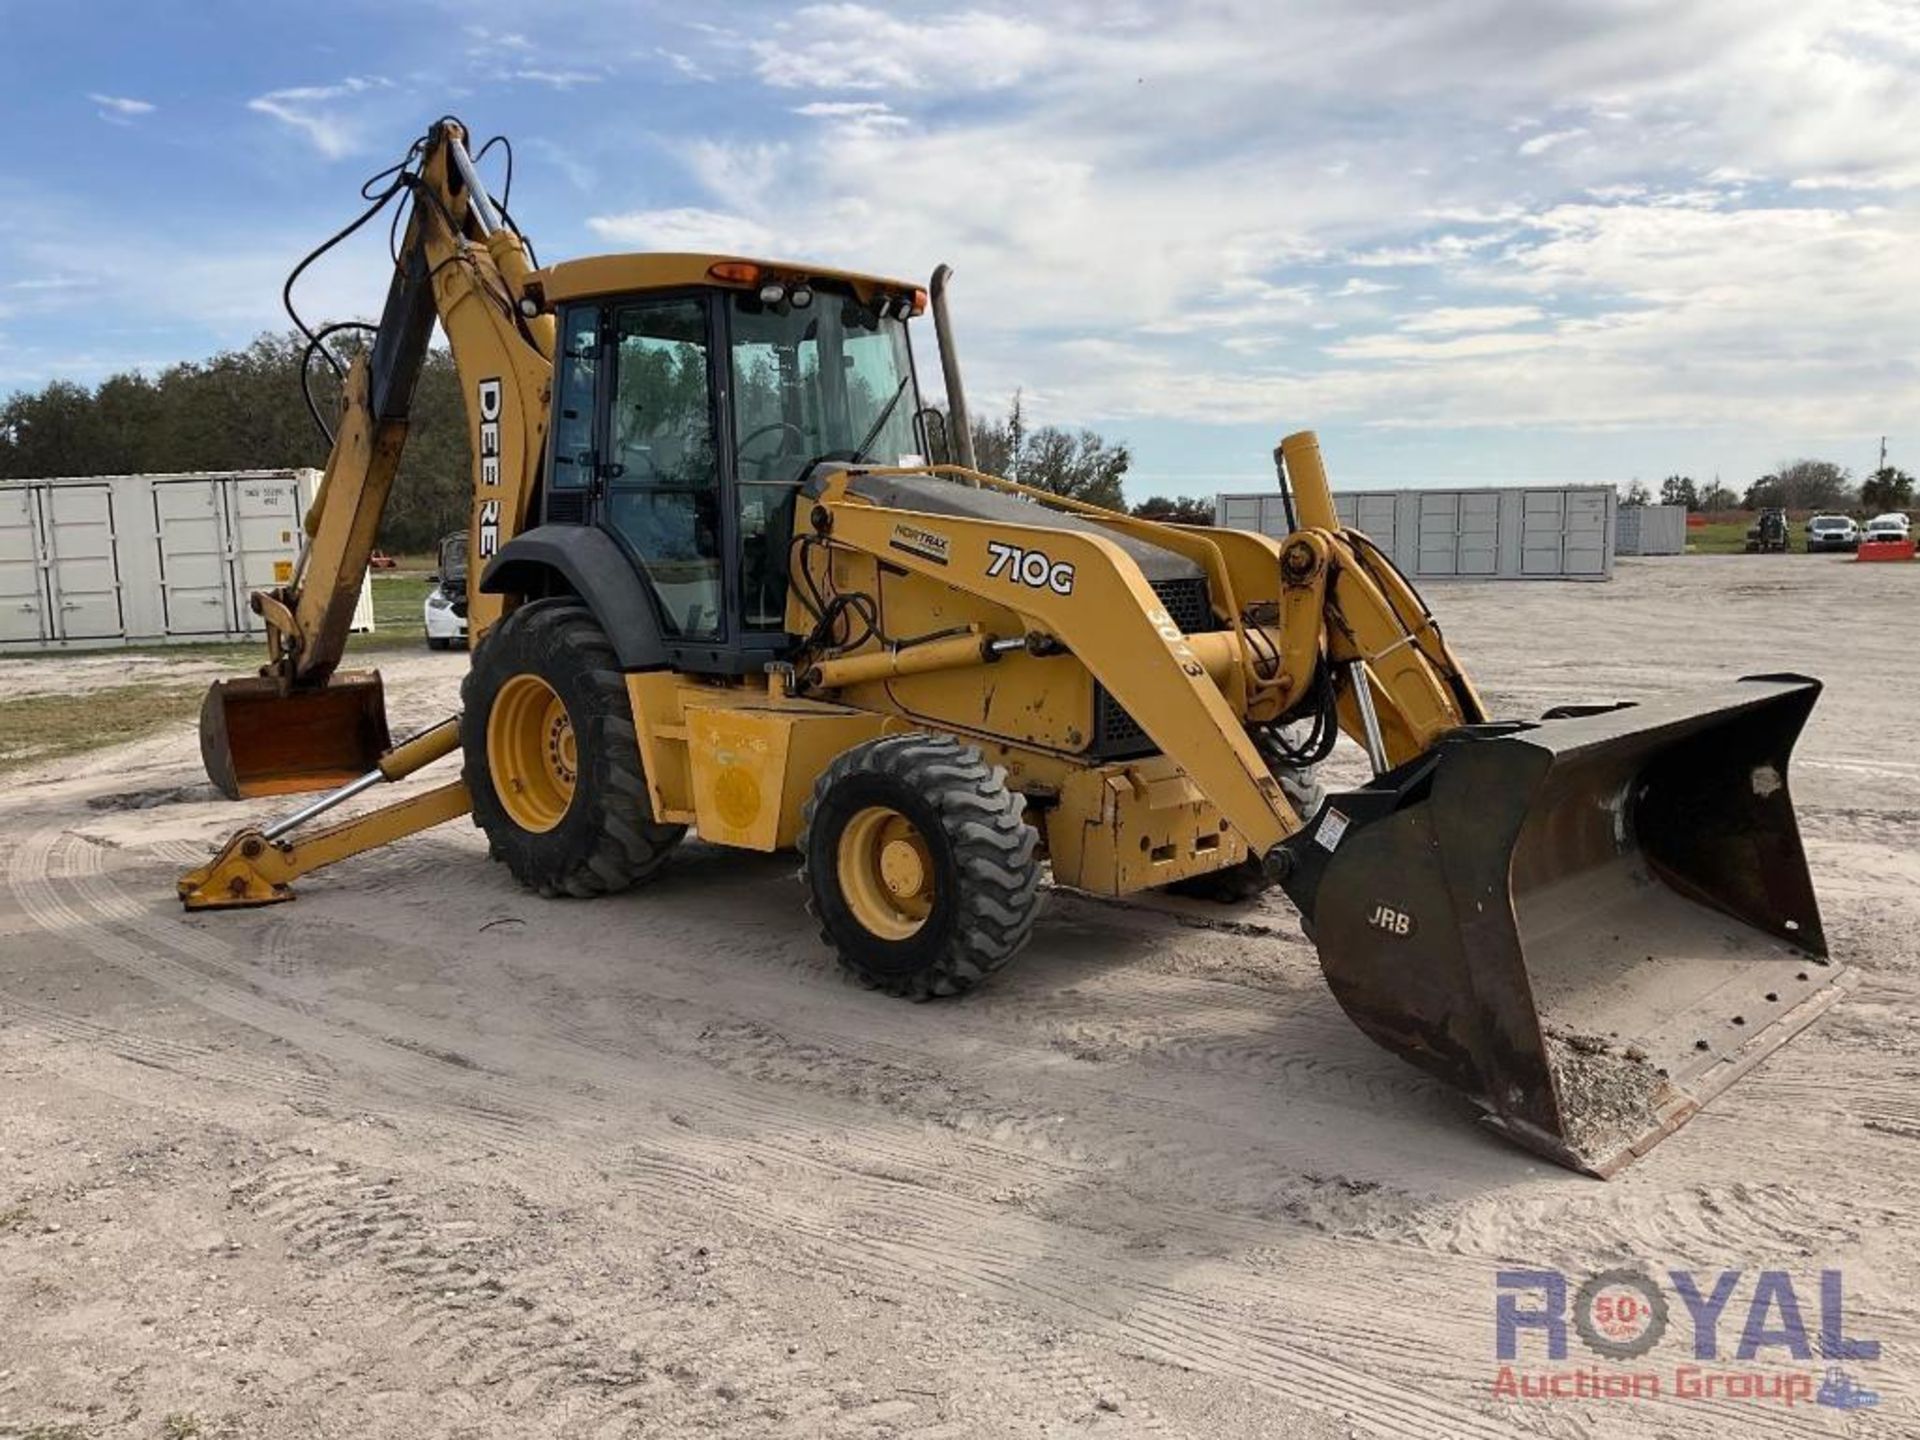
(1787, 1333)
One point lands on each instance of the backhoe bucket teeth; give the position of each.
(256, 740)
(1590, 924)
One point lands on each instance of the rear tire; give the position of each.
(553, 759)
(919, 865)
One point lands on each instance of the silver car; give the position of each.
(1832, 532)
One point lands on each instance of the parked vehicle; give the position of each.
(1891, 526)
(380, 560)
(1832, 532)
(1769, 535)
(446, 610)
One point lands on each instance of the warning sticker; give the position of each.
(1332, 826)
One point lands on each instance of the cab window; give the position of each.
(663, 480)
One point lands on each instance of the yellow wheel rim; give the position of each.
(531, 753)
(886, 872)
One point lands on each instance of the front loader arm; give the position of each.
(1095, 602)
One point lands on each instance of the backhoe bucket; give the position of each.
(257, 741)
(1591, 924)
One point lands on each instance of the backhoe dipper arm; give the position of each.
(462, 264)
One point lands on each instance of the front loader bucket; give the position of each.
(257, 741)
(1590, 924)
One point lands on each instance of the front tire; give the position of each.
(553, 759)
(919, 865)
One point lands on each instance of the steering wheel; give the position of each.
(776, 427)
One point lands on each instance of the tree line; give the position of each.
(1795, 485)
(243, 410)
(240, 410)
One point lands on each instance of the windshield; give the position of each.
(453, 557)
(830, 380)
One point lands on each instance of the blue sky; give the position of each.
(1469, 241)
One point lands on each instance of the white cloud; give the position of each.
(685, 228)
(1151, 229)
(1540, 144)
(557, 79)
(684, 65)
(1458, 319)
(121, 108)
(855, 114)
(317, 112)
(856, 47)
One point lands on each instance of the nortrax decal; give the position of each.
(1033, 568)
(913, 540)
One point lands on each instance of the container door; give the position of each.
(23, 599)
(1239, 512)
(1438, 535)
(1479, 546)
(1373, 515)
(1584, 550)
(1542, 522)
(195, 586)
(263, 528)
(83, 562)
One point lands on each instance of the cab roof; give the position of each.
(623, 274)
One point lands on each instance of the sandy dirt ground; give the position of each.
(425, 1155)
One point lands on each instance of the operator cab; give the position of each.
(689, 405)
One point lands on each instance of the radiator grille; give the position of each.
(1116, 735)
(1186, 601)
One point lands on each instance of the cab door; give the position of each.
(660, 468)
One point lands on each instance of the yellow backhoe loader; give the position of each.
(717, 581)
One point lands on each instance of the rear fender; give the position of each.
(587, 563)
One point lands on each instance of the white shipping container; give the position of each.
(1563, 532)
(1651, 530)
(89, 562)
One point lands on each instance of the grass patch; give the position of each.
(180, 1426)
(50, 727)
(399, 605)
(15, 1217)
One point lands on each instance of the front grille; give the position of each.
(1185, 600)
(1116, 734)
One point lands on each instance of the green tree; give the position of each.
(1636, 495)
(1887, 488)
(1803, 485)
(1179, 510)
(1078, 464)
(240, 410)
(1679, 490)
(1719, 497)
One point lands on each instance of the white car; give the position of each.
(1832, 532)
(1891, 526)
(446, 609)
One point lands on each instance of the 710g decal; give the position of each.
(1032, 568)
